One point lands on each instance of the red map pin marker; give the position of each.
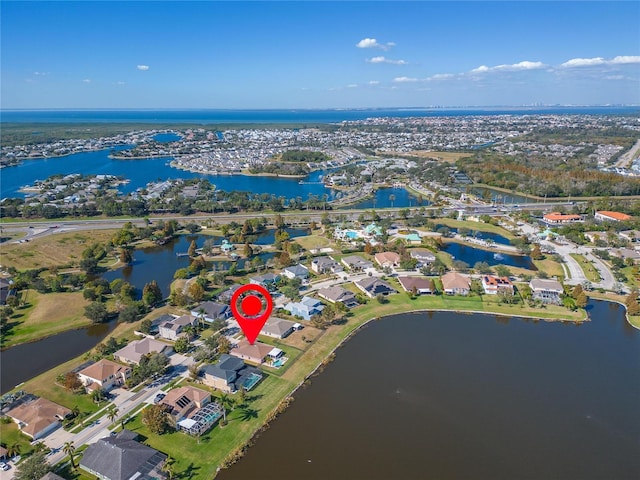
(254, 310)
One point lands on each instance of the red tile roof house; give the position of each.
(557, 218)
(421, 285)
(454, 283)
(492, 285)
(39, 417)
(387, 259)
(104, 375)
(608, 216)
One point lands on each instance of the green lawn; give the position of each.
(475, 226)
(10, 434)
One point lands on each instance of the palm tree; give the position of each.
(167, 468)
(70, 449)
(225, 402)
(247, 414)
(124, 420)
(13, 450)
(112, 413)
(201, 314)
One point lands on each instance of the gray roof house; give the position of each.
(305, 308)
(229, 374)
(547, 290)
(296, 271)
(356, 263)
(123, 458)
(278, 328)
(373, 286)
(133, 352)
(267, 280)
(174, 328)
(338, 294)
(423, 256)
(212, 311)
(228, 293)
(322, 265)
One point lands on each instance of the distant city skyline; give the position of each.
(317, 55)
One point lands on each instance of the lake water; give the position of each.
(22, 362)
(159, 263)
(454, 396)
(471, 255)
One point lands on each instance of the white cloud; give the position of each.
(352, 85)
(143, 67)
(120, 82)
(373, 43)
(625, 59)
(382, 59)
(583, 62)
(441, 76)
(374, 82)
(86, 80)
(405, 79)
(40, 74)
(480, 69)
(525, 65)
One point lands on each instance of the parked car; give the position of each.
(159, 397)
(4, 466)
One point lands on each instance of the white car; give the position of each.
(4, 466)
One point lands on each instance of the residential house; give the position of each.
(37, 417)
(104, 375)
(257, 353)
(387, 259)
(632, 236)
(175, 328)
(296, 271)
(608, 216)
(420, 285)
(122, 457)
(493, 285)
(373, 286)
(212, 311)
(557, 218)
(356, 263)
(226, 246)
(181, 402)
(278, 328)
(268, 280)
(626, 253)
(338, 294)
(423, 256)
(322, 265)
(593, 237)
(547, 290)
(134, 351)
(228, 293)
(454, 283)
(229, 374)
(51, 476)
(305, 308)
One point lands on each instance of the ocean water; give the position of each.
(213, 116)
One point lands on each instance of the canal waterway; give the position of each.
(448, 395)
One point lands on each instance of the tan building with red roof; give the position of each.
(608, 216)
(557, 218)
(387, 259)
(104, 375)
(182, 401)
(39, 417)
(256, 353)
(454, 283)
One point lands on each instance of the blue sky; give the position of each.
(162, 54)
